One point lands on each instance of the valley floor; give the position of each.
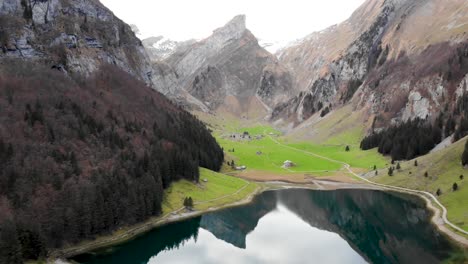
(265, 149)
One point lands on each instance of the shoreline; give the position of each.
(139, 229)
(439, 219)
(142, 228)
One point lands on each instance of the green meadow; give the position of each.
(218, 190)
(272, 155)
(267, 155)
(355, 157)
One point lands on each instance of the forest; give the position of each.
(406, 140)
(81, 157)
(417, 137)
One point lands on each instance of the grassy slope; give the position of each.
(356, 157)
(221, 187)
(443, 168)
(341, 126)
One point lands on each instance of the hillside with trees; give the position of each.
(405, 141)
(81, 157)
(417, 137)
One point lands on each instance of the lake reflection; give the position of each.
(294, 242)
(294, 226)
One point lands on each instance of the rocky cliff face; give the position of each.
(160, 48)
(226, 70)
(73, 36)
(399, 59)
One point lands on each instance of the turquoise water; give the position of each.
(294, 226)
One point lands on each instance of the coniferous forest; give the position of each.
(417, 137)
(404, 141)
(80, 157)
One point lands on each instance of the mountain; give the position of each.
(227, 71)
(160, 48)
(74, 36)
(396, 60)
(86, 145)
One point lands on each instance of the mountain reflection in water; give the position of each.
(294, 226)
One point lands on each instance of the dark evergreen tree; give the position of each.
(390, 171)
(438, 192)
(464, 157)
(188, 202)
(10, 247)
(455, 186)
(325, 111)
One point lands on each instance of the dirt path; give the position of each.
(423, 194)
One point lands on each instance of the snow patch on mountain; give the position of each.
(160, 47)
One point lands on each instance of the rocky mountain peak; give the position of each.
(234, 29)
(228, 70)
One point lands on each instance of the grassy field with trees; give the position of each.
(264, 154)
(218, 190)
(436, 172)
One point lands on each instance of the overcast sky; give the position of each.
(269, 20)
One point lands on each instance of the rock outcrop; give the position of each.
(75, 36)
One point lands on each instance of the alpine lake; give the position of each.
(296, 226)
